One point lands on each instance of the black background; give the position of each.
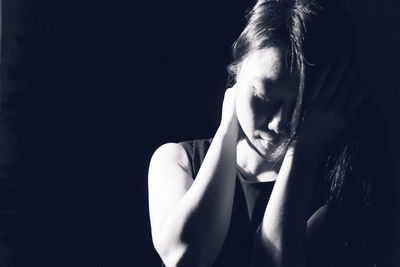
(90, 89)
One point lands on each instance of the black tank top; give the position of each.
(250, 201)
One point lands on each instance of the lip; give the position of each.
(265, 142)
(272, 138)
(269, 137)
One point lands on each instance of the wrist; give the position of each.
(230, 130)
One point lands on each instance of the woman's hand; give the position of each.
(332, 101)
(229, 120)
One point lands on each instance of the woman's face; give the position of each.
(265, 99)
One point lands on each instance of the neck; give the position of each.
(255, 167)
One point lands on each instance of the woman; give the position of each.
(281, 183)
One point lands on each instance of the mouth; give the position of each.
(266, 142)
(268, 138)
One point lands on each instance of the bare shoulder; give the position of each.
(170, 154)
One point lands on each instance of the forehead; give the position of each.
(267, 66)
(267, 63)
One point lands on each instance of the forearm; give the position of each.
(195, 229)
(281, 237)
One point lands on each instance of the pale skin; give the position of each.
(190, 217)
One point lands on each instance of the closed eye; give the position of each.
(268, 99)
(261, 95)
(265, 98)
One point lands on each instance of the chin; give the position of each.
(271, 152)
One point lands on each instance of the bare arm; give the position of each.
(190, 218)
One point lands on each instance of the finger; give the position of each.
(332, 81)
(229, 92)
(234, 88)
(345, 86)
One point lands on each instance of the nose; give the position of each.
(277, 123)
